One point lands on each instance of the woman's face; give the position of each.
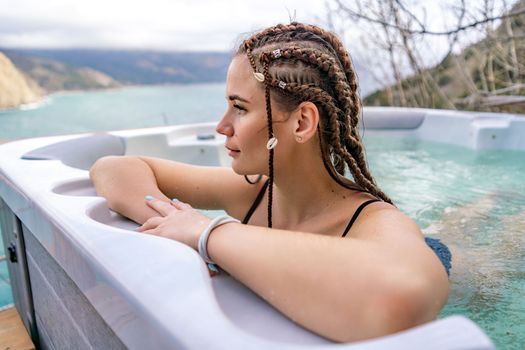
(245, 122)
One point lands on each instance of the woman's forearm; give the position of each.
(345, 290)
(124, 181)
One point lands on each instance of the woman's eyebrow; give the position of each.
(237, 97)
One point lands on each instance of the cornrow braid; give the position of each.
(267, 77)
(315, 94)
(266, 73)
(336, 46)
(311, 64)
(327, 64)
(331, 42)
(298, 32)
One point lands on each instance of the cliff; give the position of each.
(132, 66)
(53, 75)
(15, 88)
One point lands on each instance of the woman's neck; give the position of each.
(303, 189)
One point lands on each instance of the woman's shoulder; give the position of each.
(382, 220)
(388, 227)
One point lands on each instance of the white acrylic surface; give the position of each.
(156, 293)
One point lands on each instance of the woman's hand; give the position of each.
(177, 221)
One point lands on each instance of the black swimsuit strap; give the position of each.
(356, 214)
(256, 202)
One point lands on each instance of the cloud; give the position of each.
(155, 24)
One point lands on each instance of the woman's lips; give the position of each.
(232, 152)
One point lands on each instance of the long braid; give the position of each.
(346, 62)
(351, 146)
(333, 44)
(335, 92)
(266, 73)
(315, 94)
(267, 78)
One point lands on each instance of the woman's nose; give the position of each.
(225, 127)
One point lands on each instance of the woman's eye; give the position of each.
(239, 109)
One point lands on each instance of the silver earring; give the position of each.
(299, 138)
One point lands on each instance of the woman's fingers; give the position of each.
(161, 207)
(151, 223)
(180, 205)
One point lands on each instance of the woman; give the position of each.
(291, 128)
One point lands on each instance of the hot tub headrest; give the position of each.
(81, 152)
(392, 118)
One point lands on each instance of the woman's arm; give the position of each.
(343, 289)
(125, 181)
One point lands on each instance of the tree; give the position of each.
(482, 51)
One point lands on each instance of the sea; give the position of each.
(116, 109)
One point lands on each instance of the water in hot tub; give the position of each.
(474, 202)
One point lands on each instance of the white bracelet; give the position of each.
(203, 239)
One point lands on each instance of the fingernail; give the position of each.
(175, 200)
(148, 197)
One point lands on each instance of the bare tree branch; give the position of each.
(424, 31)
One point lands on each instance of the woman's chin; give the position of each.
(242, 170)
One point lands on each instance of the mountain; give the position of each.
(151, 67)
(138, 67)
(84, 69)
(15, 87)
(53, 75)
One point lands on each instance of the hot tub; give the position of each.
(82, 278)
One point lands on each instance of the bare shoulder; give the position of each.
(383, 221)
(401, 245)
(400, 238)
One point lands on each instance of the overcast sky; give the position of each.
(155, 24)
(196, 25)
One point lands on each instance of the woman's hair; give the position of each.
(301, 62)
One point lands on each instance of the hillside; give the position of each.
(86, 69)
(136, 67)
(488, 75)
(52, 75)
(15, 88)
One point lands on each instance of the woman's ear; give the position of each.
(306, 120)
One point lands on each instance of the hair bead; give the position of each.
(313, 65)
(271, 143)
(259, 77)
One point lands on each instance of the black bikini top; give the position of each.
(436, 245)
(260, 196)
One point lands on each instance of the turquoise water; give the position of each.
(474, 201)
(128, 108)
